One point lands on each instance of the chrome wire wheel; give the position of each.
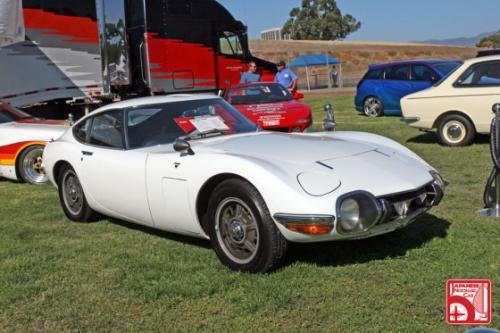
(373, 107)
(237, 230)
(72, 193)
(454, 131)
(31, 164)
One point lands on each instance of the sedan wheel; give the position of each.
(373, 107)
(241, 230)
(30, 165)
(72, 197)
(455, 130)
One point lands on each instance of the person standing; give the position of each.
(286, 77)
(251, 75)
(334, 74)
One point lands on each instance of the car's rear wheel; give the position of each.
(373, 107)
(241, 229)
(72, 197)
(455, 130)
(29, 165)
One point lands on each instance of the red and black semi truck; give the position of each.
(99, 50)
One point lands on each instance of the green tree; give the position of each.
(492, 41)
(319, 20)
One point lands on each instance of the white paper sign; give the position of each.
(207, 124)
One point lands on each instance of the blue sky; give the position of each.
(385, 20)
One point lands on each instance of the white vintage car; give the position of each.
(459, 106)
(22, 139)
(194, 165)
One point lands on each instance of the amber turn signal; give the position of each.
(310, 229)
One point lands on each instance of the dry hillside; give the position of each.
(355, 56)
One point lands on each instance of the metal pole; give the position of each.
(307, 76)
(495, 210)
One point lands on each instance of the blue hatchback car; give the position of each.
(381, 89)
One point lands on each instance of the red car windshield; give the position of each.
(9, 114)
(258, 94)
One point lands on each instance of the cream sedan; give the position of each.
(458, 106)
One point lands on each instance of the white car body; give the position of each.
(296, 175)
(16, 136)
(426, 108)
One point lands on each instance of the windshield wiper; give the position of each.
(201, 135)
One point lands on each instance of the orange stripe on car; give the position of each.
(9, 153)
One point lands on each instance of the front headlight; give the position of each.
(358, 212)
(438, 180)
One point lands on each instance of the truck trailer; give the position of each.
(94, 51)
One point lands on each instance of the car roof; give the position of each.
(482, 59)
(411, 62)
(155, 100)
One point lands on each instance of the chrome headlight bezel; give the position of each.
(370, 212)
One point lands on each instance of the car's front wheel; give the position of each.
(72, 198)
(455, 130)
(29, 165)
(373, 107)
(241, 229)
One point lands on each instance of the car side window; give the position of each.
(486, 74)
(107, 130)
(375, 74)
(399, 73)
(423, 73)
(82, 130)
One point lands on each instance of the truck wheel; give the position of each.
(455, 130)
(29, 165)
(241, 230)
(72, 198)
(373, 107)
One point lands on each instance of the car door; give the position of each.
(475, 92)
(113, 177)
(396, 85)
(422, 77)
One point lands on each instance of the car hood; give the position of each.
(355, 164)
(257, 110)
(297, 149)
(34, 129)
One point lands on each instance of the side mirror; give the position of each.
(496, 108)
(298, 95)
(183, 146)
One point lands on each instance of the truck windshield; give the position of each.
(230, 44)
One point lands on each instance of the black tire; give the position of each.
(373, 107)
(72, 198)
(230, 235)
(29, 165)
(455, 130)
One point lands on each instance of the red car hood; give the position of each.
(292, 109)
(42, 121)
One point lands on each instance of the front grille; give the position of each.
(409, 204)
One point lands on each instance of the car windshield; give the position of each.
(446, 67)
(258, 94)
(156, 124)
(452, 70)
(9, 114)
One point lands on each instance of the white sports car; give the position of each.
(194, 165)
(22, 139)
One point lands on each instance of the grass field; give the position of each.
(56, 276)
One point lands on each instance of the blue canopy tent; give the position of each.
(308, 60)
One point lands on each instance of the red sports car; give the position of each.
(270, 106)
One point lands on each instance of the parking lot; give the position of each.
(60, 276)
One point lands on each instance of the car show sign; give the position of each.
(468, 302)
